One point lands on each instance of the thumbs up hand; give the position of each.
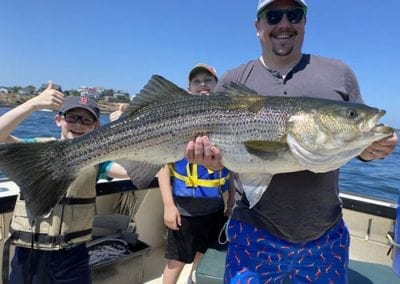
(48, 99)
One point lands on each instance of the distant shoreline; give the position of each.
(13, 100)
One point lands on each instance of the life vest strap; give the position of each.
(77, 201)
(192, 179)
(6, 260)
(46, 239)
(72, 200)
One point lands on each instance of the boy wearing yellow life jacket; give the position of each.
(193, 205)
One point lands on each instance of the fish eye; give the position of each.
(352, 113)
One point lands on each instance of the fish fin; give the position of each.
(239, 89)
(157, 89)
(253, 185)
(140, 173)
(243, 98)
(33, 168)
(265, 149)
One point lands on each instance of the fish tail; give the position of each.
(33, 167)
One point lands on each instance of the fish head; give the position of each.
(325, 134)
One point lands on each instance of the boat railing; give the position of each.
(351, 201)
(7, 200)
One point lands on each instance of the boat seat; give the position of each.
(212, 265)
(365, 272)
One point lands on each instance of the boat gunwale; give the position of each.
(350, 201)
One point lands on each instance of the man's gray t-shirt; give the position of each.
(299, 206)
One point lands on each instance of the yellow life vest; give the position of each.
(192, 180)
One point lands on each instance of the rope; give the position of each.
(107, 250)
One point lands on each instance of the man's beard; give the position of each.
(282, 52)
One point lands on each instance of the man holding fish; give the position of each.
(293, 229)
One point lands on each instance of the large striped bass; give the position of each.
(258, 137)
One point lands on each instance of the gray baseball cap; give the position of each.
(263, 3)
(80, 102)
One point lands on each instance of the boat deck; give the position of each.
(154, 264)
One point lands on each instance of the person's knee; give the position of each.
(172, 271)
(174, 264)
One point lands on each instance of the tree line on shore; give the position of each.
(15, 95)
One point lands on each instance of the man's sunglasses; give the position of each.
(72, 118)
(273, 17)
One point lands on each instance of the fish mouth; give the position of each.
(382, 128)
(372, 125)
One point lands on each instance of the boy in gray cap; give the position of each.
(295, 230)
(52, 249)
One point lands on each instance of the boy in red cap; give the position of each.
(193, 204)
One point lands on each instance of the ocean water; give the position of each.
(379, 179)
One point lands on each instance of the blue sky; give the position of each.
(119, 44)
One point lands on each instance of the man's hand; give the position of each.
(380, 149)
(202, 152)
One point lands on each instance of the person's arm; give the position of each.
(48, 99)
(172, 218)
(379, 149)
(110, 169)
(202, 152)
(117, 171)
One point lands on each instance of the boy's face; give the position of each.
(202, 83)
(76, 122)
